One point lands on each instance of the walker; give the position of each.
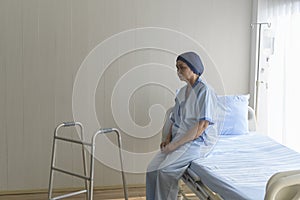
(89, 179)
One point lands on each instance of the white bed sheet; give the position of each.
(240, 165)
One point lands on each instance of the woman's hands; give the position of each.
(164, 145)
(169, 147)
(167, 141)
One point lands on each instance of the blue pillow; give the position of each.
(233, 114)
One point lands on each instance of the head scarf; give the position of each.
(193, 61)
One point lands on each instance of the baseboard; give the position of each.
(58, 190)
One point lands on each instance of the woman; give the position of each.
(192, 133)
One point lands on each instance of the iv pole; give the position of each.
(257, 82)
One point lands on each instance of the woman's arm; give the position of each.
(168, 138)
(192, 134)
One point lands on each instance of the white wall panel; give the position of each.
(33, 149)
(3, 133)
(63, 82)
(14, 95)
(78, 49)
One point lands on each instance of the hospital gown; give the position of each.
(165, 170)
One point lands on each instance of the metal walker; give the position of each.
(89, 179)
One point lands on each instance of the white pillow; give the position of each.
(233, 114)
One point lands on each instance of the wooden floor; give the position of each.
(137, 193)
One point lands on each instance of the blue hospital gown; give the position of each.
(165, 170)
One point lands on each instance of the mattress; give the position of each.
(240, 166)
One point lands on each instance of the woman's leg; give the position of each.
(165, 170)
(151, 175)
(167, 182)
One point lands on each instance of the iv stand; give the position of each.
(258, 63)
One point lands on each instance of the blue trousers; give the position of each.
(165, 170)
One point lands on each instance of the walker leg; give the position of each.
(52, 163)
(91, 188)
(122, 168)
(103, 131)
(84, 165)
(51, 175)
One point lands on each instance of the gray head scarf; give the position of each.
(193, 61)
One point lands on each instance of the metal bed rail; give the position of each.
(89, 178)
(200, 189)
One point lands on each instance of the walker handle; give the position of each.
(66, 124)
(106, 130)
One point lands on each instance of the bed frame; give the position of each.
(194, 182)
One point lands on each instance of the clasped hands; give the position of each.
(168, 146)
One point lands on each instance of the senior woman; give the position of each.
(192, 133)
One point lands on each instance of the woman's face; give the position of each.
(183, 71)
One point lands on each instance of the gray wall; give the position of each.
(44, 42)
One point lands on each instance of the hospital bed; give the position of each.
(245, 165)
